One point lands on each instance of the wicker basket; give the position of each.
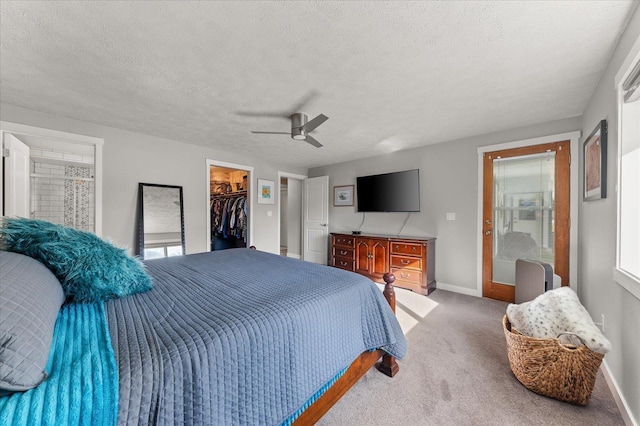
(550, 368)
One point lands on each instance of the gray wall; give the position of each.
(449, 174)
(129, 158)
(448, 183)
(597, 232)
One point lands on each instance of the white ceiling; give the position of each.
(390, 75)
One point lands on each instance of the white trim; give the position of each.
(294, 256)
(249, 196)
(292, 176)
(629, 282)
(620, 276)
(56, 135)
(623, 407)
(632, 57)
(25, 130)
(457, 289)
(574, 138)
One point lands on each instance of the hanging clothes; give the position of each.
(229, 217)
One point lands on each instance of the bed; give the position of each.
(231, 337)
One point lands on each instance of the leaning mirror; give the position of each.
(160, 221)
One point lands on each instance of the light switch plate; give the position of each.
(451, 216)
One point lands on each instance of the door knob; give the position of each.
(323, 224)
(487, 232)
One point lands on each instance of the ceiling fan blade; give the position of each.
(273, 133)
(275, 114)
(305, 100)
(312, 124)
(313, 142)
(281, 114)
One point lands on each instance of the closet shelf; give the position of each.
(229, 194)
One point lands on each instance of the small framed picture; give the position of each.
(265, 191)
(595, 163)
(343, 195)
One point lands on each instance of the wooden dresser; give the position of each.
(411, 260)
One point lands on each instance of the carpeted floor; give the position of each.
(457, 373)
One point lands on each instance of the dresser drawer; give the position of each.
(407, 248)
(348, 253)
(344, 241)
(409, 262)
(407, 275)
(342, 263)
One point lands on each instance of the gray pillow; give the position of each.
(30, 298)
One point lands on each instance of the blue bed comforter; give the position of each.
(241, 337)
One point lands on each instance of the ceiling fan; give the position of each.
(300, 128)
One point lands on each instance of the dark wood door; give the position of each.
(372, 257)
(379, 250)
(363, 258)
(557, 230)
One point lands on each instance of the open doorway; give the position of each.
(290, 212)
(229, 189)
(52, 175)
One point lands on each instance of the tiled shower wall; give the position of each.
(62, 201)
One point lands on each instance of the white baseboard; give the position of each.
(458, 289)
(617, 396)
(295, 256)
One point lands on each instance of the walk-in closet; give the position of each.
(229, 207)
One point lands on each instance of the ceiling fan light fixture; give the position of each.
(298, 120)
(300, 137)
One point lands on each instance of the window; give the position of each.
(627, 270)
(162, 251)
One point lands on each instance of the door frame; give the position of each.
(40, 132)
(249, 170)
(574, 138)
(301, 178)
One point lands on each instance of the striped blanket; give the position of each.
(82, 387)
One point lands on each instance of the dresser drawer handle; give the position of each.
(414, 249)
(343, 252)
(405, 262)
(343, 263)
(403, 275)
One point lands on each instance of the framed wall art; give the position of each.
(595, 164)
(265, 191)
(343, 195)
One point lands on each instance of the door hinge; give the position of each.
(5, 152)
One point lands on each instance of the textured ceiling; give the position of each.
(390, 75)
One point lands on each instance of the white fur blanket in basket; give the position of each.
(556, 312)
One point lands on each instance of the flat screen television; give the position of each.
(389, 192)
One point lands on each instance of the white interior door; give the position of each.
(316, 219)
(16, 177)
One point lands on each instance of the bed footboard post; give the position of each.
(388, 365)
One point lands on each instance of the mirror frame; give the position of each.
(141, 187)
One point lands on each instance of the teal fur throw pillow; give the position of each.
(89, 268)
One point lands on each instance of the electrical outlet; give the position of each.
(602, 324)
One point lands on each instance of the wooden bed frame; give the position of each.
(356, 370)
